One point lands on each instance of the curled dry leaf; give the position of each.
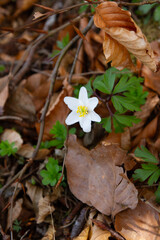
(12, 136)
(139, 224)
(15, 213)
(97, 233)
(50, 234)
(83, 235)
(96, 178)
(152, 80)
(122, 35)
(45, 208)
(27, 150)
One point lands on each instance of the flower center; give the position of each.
(82, 110)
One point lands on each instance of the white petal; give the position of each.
(83, 96)
(85, 124)
(72, 118)
(92, 103)
(72, 102)
(94, 116)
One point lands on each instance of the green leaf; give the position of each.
(72, 131)
(142, 174)
(154, 177)
(60, 133)
(126, 120)
(55, 52)
(123, 103)
(145, 155)
(157, 193)
(105, 82)
(144, 9)
(2, 68)
(52, 173)
(62, 44)
(118, 127)
(1, 129)
(83, 8)
(107, 124)
(88, 86)
(7, 148)
(156, 14)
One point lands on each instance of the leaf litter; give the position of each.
(96, 169)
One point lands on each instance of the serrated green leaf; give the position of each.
(144, 9)
(142, 174)
(150, 166)
(126, 120)
(117, 105)
(101, 87)
(145, 155)
(118, 127)
(109, 79)
(107, 124)
(154, 177)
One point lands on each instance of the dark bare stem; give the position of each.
(75, 60)
(109, 110)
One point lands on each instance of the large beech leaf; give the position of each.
(122, 35)
(142, 223)
(97, 178)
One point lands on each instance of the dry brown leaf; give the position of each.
(142, 223)
(12, 136)
(3, 91)
(96, 179)
(97, 233)
(15, 213)
(58, 111)
(148, 132)
(83, 235)
(35, 193)
(45, 208)
(20, 104)
(27, 150)
(146, 109)
(122, 35)
(50, 234)
(23, 5)
(152, 80)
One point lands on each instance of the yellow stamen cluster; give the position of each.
(82, 110)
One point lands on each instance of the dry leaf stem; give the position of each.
(138, 3)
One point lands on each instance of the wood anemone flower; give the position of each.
(82, 110)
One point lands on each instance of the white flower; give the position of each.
(82, 110)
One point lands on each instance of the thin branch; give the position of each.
(75, 60)
(10, 117)
(138, 3)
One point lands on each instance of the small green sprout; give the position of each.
(52, 173)
(7, 149)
